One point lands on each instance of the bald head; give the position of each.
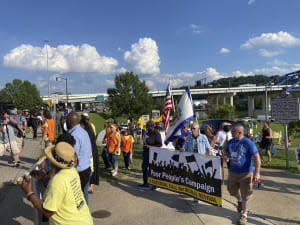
(238, 131)
(72, 120)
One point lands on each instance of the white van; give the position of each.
(262, 118)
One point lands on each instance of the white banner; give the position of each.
(297, 151)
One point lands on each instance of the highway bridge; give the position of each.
(221, 94)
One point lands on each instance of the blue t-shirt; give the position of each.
(240, 154)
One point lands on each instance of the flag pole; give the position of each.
(172, 97)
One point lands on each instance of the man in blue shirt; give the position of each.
(198, 143)
(239, 152)
(83, 150)
(184, 134)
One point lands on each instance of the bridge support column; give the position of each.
(217, 101)
(231, 100)
(80, 106)
(224, 100)
(251, 106)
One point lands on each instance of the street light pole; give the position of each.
(66, 79)
(46, 43)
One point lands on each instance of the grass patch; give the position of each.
(279, 161)
(135, 172)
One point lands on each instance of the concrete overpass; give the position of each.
(221, 95)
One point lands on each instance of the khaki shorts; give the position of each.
(242, 181)
(14, 148)
(20, 142)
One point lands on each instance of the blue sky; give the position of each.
(182, 41)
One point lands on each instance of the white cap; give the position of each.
(85, 114)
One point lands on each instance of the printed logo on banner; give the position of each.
(183, 172)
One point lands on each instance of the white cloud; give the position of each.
(212, 74)
(240, 74)
(250, 2)
(224, 51)
(277, 62)
(143, 57)
(110, 83)
(268, 53)
(195, 28)
(278, 70)
(280, 39)
(64, 58)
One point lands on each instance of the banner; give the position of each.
(184, 172)
(297, 151)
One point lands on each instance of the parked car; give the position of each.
(247, 119)
(216, 125)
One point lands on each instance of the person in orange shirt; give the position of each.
(126, 147)
(48, 135)
(104, 153)
(113, 148)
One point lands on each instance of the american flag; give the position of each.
(168, 106)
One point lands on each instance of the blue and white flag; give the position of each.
(186, 114)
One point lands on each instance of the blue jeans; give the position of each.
(104, 155)
(126, 159)
(86, 192)
(113, 159)
(145, 166)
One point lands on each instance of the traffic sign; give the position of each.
(285, 108)
(54, 99)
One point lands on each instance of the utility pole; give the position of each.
(266, 102)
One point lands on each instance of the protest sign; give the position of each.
(185, 172)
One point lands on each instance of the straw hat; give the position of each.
(62, 155)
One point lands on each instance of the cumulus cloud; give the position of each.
(143, 58)
(64, 58)
(278, 69)
(250, 2)
(224, 51)
(212, 74)
(241, 74)
(280, 39)
(268, 53)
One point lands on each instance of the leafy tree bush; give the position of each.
(23, 94)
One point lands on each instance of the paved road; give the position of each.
(278, 203)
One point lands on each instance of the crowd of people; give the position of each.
(73, 161)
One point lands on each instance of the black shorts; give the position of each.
(266, 143)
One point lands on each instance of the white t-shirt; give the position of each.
(221, 137)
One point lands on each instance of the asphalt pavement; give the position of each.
(122, 203)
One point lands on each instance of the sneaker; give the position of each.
(154, 188)
(242, 220)
(128, 168)
(144, 186)
(16, 165)
(239, 207)
(114, 173)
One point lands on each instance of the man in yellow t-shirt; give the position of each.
(64, 202)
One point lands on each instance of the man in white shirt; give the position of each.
(224, 135)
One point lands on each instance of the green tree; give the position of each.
(130, 97)
(22, 94)
(224, 112)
